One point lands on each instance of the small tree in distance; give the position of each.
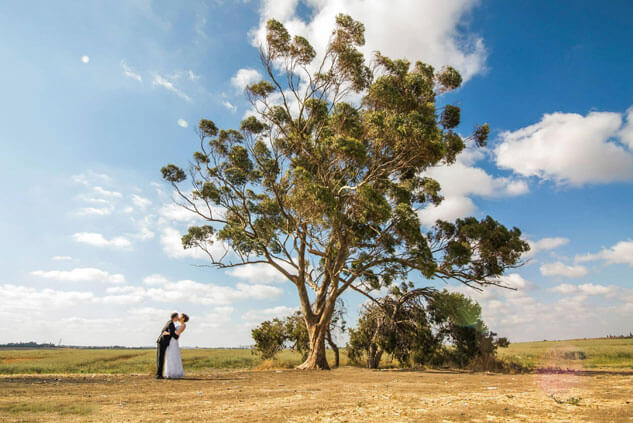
(327, 191)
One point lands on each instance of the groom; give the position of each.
(163, 342)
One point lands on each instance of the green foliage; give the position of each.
(272, 336)
(269, 337)
(422, 327)
(332, 188)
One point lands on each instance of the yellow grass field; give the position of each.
(75, 385)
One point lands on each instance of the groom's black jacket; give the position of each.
(169, 327)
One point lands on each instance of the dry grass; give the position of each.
(344, 395)
(572, 354)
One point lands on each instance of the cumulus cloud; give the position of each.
(257, 316)
(188, 291)
(526, 315)
(461, 180)
(514, 281)
(15, 299)
(621, 253)
(129, 72)
(245, 77)
(626, 133)
(80, 274)
(544, 244)
(570, 148)
(98, 240)
(172, 246)
(261, 273)
(424, 30)
(155, 280)
(584, 289)
(161, 81)
(564, 270)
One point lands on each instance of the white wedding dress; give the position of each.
(173, 362)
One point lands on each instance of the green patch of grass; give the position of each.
(78, 409)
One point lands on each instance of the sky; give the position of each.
(97, 96)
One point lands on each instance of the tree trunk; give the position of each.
(330, 341)
(317, 359)
(373, 357)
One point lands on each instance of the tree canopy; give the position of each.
(324, 180)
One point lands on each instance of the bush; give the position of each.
(269, 337)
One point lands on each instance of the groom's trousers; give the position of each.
(161, 347)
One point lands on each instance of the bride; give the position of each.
(173, 361)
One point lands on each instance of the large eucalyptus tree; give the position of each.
(324, 180)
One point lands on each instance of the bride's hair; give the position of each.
(185, 317)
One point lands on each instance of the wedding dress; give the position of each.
(173, 361)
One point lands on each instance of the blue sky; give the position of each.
(97, 96)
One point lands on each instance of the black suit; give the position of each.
(162, 343)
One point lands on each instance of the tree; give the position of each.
(326, 190)
(292, 333)
(269, 338)
(423, 326)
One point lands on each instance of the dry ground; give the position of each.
(343, 395)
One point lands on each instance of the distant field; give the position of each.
(580, 353)
(574, 354)
(124, 361)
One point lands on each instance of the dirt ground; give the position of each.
(342, 395)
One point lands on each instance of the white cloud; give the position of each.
(258, 316)
(569, 148)
(461, 180)
(584, 289)
(424, 30)
(169, 86)
(17, 298)
(182, 123)
(172, 246)
(89, 177)
(621, 253)
(260, 272)
(80, 274)
(175, 212)
(522, 316)
(514, 280)
(141, 202)
(85, 59)
(155, 280)
(245, 77)
(106, 193)
(97, 240)
(129, 72)
(626, 133)
(191, 75)
(544, 244)
(188, 291)
(561, 269)
(229, 105)
(94, 211)
(62, 258)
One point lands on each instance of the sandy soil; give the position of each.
(342, 395)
